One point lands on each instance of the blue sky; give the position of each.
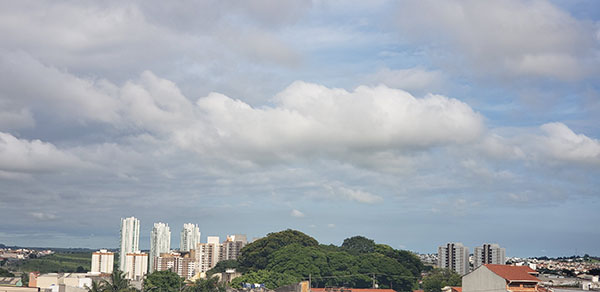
(414, 123)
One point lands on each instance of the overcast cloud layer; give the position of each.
(477, 123)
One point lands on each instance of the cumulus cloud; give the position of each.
(550, 143)
(560, 142)
(19, 155)
(505, 38)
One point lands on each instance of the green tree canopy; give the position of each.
(439, 278)
(163, 281)
(255, 255)
(358, 244)
(206, 285)
(222, 266)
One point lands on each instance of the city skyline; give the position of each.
(413, 123)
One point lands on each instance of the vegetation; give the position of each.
(117, 283)
(222, 266)
(255, 255)
(206, 285)
(439, 278)
(164, 281)
(56, 263)
(289, 256)
(6, 273)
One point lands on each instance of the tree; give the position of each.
(164, 281)
(358, 244)
(439, 278)
(255, 255)
(207, 285)
(25, 279)
(222, 266)
(6, 273)
(80, 269)
(117, 283)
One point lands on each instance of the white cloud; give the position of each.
(19, 155)
(548, 144)
(560, 142)
(336, 191)
(297, 213)
(505, 38)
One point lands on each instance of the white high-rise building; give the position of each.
(130, 240)
(190, 237)
(102, 261)
(160, 242)
(489, 254)
(454, 256)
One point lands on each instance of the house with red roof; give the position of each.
(498, 278)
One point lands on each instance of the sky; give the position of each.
(414, 123)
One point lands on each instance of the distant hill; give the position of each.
(59, 262)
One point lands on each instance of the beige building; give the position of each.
(61, 282)
(137, 265)
(184, 264)
(102, 262)
(210, 253)
(230, 249)
(207, 254)
(498, 278)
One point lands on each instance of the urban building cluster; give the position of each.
(22, 253)
(455, 256)
(193, 258)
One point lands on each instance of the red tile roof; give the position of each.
(513, 273)
(457, 289)
(349, 290)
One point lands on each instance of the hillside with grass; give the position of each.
(59, 262)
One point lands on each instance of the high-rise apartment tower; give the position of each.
(489, 254)
(160, 242)
(454, 256)
(190, 237)
(130, 240)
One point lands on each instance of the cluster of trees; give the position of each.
(439, 278)
(159, 281)
(289, 256)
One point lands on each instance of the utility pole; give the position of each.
(309, 281)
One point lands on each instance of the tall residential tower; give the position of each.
(130, 240)
(160, 242)
(454, 256)
(190, 237)
(489, 254)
